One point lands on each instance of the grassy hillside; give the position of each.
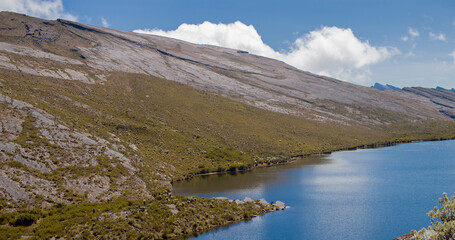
(196, 131)
(171, 131)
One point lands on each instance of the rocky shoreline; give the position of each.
(267, 208)
(278, 205)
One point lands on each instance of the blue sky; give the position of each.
(403, 43)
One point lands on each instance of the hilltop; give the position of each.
(99, 119)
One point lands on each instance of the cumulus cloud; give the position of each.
(440, 36)
(49, 9)
(413, 32)
(330, 51)
(336, 52)
(453, 55)
(234, 35)
(105, 22)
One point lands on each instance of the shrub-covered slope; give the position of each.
(89, 129)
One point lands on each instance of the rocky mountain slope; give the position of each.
(90, 114)
(90, 54)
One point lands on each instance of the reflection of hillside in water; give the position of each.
(250, 182)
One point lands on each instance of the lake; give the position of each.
(362, 194)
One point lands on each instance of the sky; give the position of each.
(402, 43)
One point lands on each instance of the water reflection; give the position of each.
(245, 184)
(363, 194)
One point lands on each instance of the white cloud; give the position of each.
(330, 51)
(413, 32)
(404, 38)
(453, 23)
(336, 52)
(440, 36)
(234, 35)
(50, 9)
(453, 55)
(105, 22)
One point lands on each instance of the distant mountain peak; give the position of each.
(382, 87)
(445, 89)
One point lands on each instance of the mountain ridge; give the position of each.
(384, 87)
(258, 81)
(94, 121)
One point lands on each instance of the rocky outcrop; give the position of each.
(426, 235)
(280, 205)
(172, 208)
(263, 202)
(247, 199)
(444, 100)
(33, 141)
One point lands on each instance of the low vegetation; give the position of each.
(172, 132)
(160, 217)
(442, 221)
(95, 157)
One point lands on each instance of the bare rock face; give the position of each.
(94, 185)
(90, 54)
(75, 149)
(12, 188)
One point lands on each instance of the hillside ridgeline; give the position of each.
(97, 123)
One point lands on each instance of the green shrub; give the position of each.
(5, 218)
(445, 213)
(442, 220)
(25, 219)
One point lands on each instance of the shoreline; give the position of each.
(291, 159)
(266, 210)
(295, 158)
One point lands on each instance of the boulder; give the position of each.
(239, 201)
(280, 205)
(428, 234)
(263, 202)
(172, 208)
(247, 199)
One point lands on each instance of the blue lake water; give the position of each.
(363, 194)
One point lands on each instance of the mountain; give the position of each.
(90, 54)
(381, 87)
(97, 123)
(441, 88)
